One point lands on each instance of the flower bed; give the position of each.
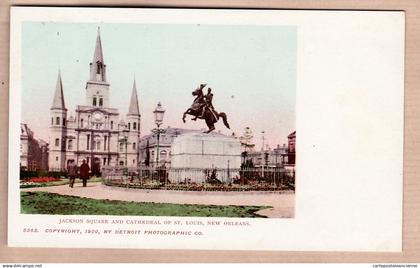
(41, 182)
(198, 187)
(43, 179)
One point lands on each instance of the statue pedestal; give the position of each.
(195, 155)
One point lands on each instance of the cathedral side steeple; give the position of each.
(58, 129)
(58, 101)
(134, 102)
(133, 127)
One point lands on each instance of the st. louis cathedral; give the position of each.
(96, 133)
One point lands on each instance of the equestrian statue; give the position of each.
(202, 108)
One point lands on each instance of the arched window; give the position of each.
(64, 121)
(101, 102)
(94, 101)
(57, 120)
(128, 126)
(98, 67)
(52, 120)
(121, 146)
(81, 123)
(134, 125)
(57, 142)
(112, 124)
(134, 145)
(70, 145)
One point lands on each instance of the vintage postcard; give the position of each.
(176, 129)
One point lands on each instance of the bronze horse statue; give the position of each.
(209, 115)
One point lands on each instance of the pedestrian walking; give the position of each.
(84, 172)
(71, 172)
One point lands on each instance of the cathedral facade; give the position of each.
(96, 133)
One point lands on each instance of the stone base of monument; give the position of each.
(195, 156)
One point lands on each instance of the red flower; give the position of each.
(43, 179)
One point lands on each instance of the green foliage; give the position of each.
(25, 174)
(50, 203)
(24, 184)
(44, 184)
(289, 181)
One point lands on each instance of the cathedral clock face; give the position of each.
(97, 116)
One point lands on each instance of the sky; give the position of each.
(251, 70)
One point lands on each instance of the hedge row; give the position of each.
(25, 174)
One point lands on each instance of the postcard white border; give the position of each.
(350, 108)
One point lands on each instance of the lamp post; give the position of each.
(228, 172)
(262, 154)
(158, 113)
(124, 141)
(266, 154)
(244, 155)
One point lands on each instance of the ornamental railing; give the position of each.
(162, 176)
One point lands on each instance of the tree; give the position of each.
(246, 139)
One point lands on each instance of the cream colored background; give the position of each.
(128, 255)
(349, 99)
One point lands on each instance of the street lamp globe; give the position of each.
(159, 112)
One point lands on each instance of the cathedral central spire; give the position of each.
(97, 88)
(98, 56)
(97, 66)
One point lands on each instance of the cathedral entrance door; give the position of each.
(68, 162)
(96, 166)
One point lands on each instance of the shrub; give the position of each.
(25, 174)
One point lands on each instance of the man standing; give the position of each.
(84, 172)
(72, 172)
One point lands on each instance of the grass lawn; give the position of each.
(50, 203)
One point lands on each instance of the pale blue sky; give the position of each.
(251, 69)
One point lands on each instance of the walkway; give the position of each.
(282, 203)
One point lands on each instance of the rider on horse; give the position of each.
(202, 102)
(202, 108)
(200, 98)
(208, 100)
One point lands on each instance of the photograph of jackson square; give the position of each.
(158, 120)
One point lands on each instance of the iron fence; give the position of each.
(274, 176)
